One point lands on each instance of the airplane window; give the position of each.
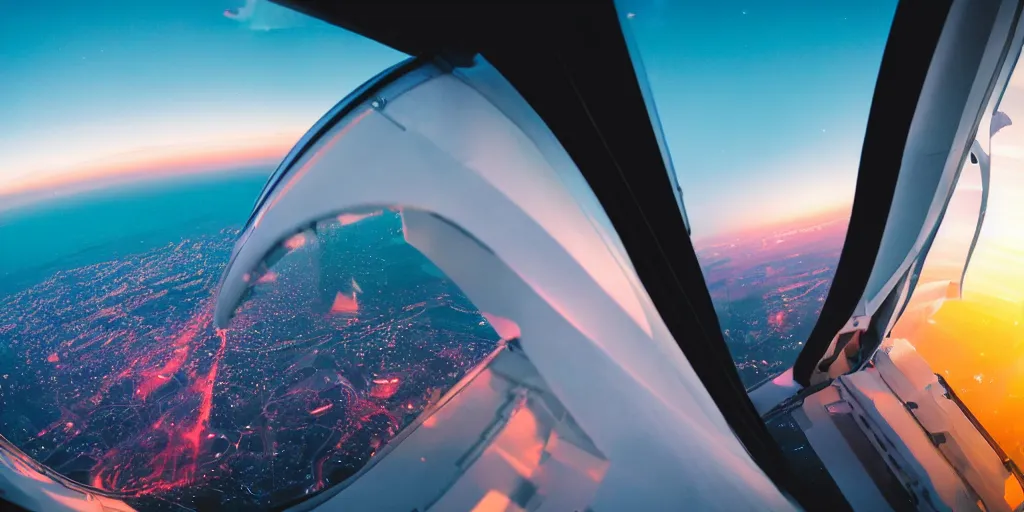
(134, 139)
(973, 339)
(361, 345)
(763, 111)
(487, 194)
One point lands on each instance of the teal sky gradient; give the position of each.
(763, 104)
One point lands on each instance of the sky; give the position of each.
(763, 107)
(995, 270)
(98, 87)
(763, 104)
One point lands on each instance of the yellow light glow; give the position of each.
(977, 345)
(977, 342)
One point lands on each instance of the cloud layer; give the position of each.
(263, 15)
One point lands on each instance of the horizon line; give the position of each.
(157, 159)
(26, 199)
(819, 216)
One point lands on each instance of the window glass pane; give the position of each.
(134, 139)
(974, 341)
(763, 109)
(382, 368)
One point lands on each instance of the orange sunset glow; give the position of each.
(977, 342)
(160, 161)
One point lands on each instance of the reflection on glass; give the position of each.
(764, 110)
(948, 253)
(975, 342)
(372, 387)
(370, 334)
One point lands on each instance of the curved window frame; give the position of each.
(328, 120)
(652, 111)
(581, 81)
(283, 213)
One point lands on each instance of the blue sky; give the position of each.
(92, 80)
(763, 106)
